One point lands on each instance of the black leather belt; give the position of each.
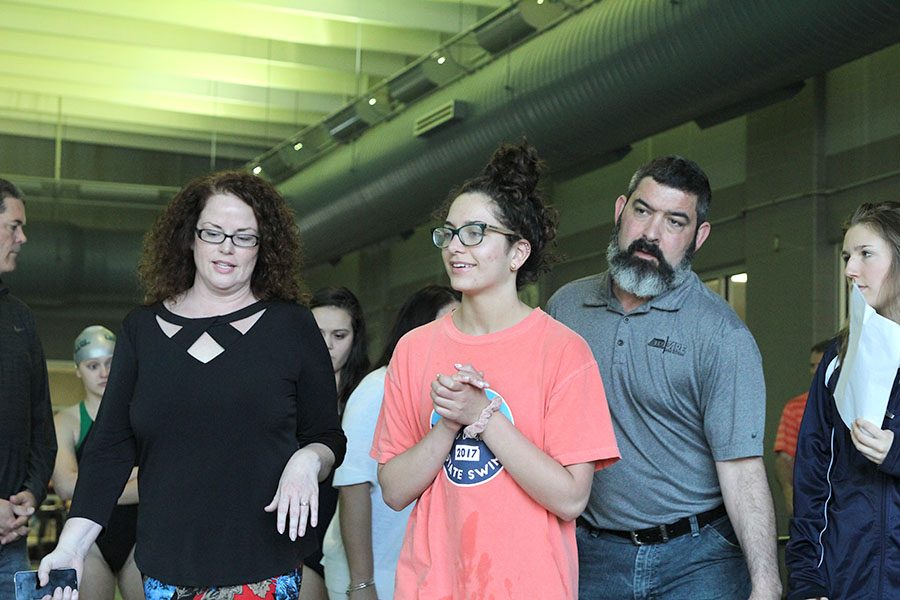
(661, 533)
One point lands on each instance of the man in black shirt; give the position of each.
(27, 437)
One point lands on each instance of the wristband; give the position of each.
(475, 430)
(360, 586)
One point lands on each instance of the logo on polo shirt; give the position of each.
(667, 345)
(470, 461)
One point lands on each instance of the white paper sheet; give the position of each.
(868, 371)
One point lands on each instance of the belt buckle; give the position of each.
(663, 536)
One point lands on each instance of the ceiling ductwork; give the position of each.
(465, 52)
(63, 264)
(617, 72)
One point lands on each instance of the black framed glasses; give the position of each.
(470, 234)
(241, 240)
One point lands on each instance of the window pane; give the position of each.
(717, 285)
(737, 294)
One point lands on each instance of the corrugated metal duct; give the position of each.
(618, 72)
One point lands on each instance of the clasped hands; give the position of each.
(872, 442)
(459, 398)
(14, 516)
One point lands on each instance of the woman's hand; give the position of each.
(62, 557)
(75, 541)
(872, 442)
(297, 496)
(460, 397)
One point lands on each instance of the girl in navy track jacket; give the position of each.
(845, 534)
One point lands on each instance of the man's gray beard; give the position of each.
(641, 278)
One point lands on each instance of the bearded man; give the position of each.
(687, 511)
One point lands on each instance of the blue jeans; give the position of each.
(13, 557)
(706, 564)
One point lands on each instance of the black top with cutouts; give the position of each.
(211, 416)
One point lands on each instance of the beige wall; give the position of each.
(65, 386)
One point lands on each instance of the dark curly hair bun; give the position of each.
(512, 180)
(515, 168)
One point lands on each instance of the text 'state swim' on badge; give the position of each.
(470, 461)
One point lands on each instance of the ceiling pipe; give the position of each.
(616, 73)
(63, 265)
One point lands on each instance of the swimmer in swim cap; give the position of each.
(93, 355)
(110, 561)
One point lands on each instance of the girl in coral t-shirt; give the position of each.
(494, 417)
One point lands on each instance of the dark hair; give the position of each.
(9, 190)
(511, 180)
(357, 364)
(167, 265)
(884, 219)
(679, 173)
(420, 308)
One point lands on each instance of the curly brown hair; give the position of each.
(167, 264)
(511, 180)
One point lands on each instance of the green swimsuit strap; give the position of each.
(86, 423)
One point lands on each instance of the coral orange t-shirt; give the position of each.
(474, 532)
(789, 425)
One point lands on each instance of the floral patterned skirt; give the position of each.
(283, 587)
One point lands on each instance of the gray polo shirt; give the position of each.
(684, 382)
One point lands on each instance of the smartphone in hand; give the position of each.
(27, 587)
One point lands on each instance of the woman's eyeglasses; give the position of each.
(469, 235)
(241, 240)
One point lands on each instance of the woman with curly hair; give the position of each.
(494, 417)
(221, 391)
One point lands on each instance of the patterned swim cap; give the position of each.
(95, 341)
